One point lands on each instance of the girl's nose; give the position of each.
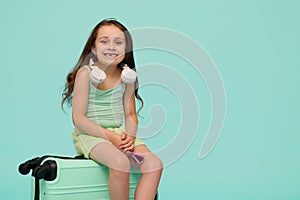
(111, 45)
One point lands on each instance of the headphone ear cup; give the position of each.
(97, 75)
(128, 75)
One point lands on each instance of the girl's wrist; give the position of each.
(110, 135)
(132, 136)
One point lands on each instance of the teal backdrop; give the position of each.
(254, 44)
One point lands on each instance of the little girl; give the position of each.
(98, 111)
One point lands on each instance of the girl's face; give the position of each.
(110, 45)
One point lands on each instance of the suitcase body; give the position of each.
(79, 179)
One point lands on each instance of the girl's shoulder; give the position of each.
(83, 72)
(83, 69)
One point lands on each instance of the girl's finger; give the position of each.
(127, 140)
(126, 144)
(130, 148)
(123, 136)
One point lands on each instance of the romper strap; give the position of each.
(87, 67)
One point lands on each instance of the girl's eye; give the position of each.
(103, 41)
(119, 42)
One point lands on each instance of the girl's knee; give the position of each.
(120, 168)
(158, 165)
(120, 174)
(120, 163)
(152, 164)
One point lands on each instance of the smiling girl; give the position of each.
(98, 111)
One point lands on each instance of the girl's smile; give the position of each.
(111, 55)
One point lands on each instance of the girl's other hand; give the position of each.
(115, 139)
(127, 143)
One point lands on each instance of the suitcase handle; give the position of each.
(25, 167)
(46, 171)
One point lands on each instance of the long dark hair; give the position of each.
(86, 55)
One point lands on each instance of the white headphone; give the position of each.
(98, 76)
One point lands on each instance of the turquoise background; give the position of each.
(255, 45)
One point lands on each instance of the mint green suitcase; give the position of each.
(80, 179)
(71, 179)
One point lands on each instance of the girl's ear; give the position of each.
(94, 55)
(93, 49)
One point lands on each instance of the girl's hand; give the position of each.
(127, 143)
(115, 139)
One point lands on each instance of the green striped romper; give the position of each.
(105, 108)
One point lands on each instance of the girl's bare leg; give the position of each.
(151, 170)
(119, 169)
